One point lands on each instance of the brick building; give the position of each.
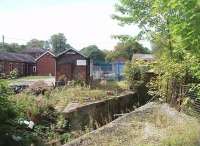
(46, 64)
(22, 62)
(66, 66)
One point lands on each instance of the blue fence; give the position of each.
(108, 70)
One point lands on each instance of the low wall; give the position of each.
(99, 113)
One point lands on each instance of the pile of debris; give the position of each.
(39, 87)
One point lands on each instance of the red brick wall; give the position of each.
(46, 65)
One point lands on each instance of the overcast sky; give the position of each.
(84, 22)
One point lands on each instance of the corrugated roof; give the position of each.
(16, 57)
(143, 57)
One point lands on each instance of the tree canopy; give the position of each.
(93, 52)
(126, 48)
(35, 43)
(173, 27)
(58, 43)
(172, 23)
(12, 47)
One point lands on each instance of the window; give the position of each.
(34, 68)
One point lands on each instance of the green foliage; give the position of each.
(13, 47)
(35, 43)
(58, 43)
(93, 52)
(172, 27)
(13, 74)
(7, 110)
(135, 72)
(169, 75)
(49, 123)
(126, 48)
(194, 91)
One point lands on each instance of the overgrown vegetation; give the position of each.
(11, 131)
(13, 74)
(44, 110)
(172, 27)
(7, 110)
(59, 97)
(135, 72)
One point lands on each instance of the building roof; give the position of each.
(68, 49)
(146, 57)
(44, 54)
(34, 50)
(16, 57)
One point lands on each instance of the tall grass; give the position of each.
(59, 97)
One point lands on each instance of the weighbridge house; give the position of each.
(72, 65)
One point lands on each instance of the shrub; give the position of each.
(135, 72)
(8, 114)
(194, 91)
(13, 74)
(7, 110)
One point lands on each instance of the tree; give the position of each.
(94, 53)
(13, 47)
(58, 43)
(126, 48)
(46, 45)
(172, 26)
(35, 43)
(165, 22)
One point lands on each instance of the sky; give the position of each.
(84, 22)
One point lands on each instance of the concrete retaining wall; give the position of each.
(99, 113)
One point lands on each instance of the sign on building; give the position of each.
(81, 62)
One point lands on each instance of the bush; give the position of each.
(194, 91)
(7, 110)
(8, 115)
(13, 74)
(135, 72)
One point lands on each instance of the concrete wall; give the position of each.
(100, 113)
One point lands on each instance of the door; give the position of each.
(69, 72)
